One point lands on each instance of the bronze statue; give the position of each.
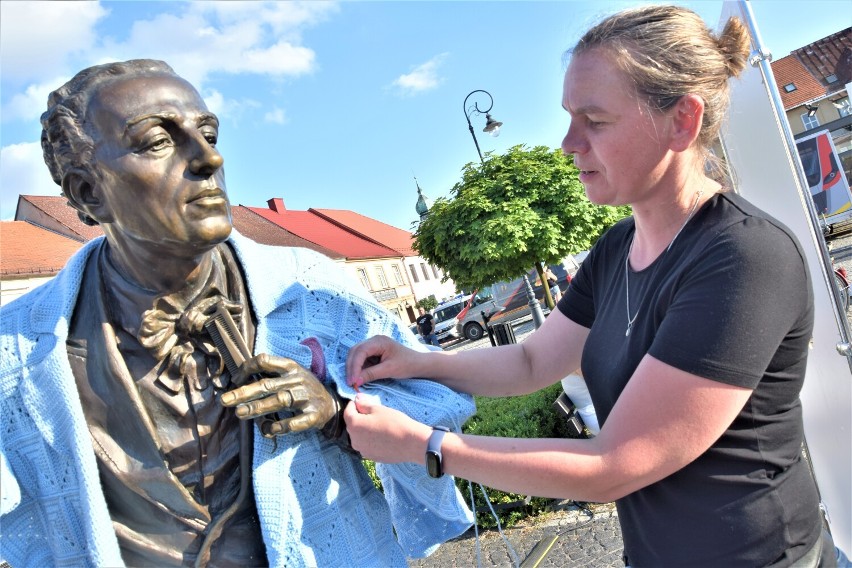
(164, 313)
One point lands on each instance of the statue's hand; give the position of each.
(283, 386)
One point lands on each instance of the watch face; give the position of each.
(433, 464)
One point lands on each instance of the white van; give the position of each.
(462, 317)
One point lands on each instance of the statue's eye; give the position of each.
(157, 144)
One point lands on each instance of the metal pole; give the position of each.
(477, 110)
(478, 151)
(761, 59)
(535, 306)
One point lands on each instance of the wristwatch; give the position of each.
(433, 451)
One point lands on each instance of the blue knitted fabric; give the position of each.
(316, 504)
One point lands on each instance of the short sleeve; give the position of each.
(738, 301)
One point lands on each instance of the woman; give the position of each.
(694, 371)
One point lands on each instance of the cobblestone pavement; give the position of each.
(581, 541)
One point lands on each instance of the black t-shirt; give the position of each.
(424, 324)
(732, 302)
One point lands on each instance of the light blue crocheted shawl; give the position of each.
(316, 504)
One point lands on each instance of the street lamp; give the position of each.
(492, 127)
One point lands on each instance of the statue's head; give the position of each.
(133, 147)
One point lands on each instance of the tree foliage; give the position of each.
(509, 214)
(428, 303)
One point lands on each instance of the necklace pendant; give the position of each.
(627, 333)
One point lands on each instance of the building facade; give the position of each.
(815, 82)
(377, 267)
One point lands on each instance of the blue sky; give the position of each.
(333, 105)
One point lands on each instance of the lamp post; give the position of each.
(492, 127)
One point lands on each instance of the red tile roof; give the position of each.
(320, 231)
(252, 225)
(790, 70)
(376, 231)
(808, 68)
(27, 250)
(54, 213)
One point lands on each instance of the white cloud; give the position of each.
(424, 77)
(29, 104)
(275, 116)
(229, 109)
(283, 17)
(231, 37)
(22, 170)
(38, 38)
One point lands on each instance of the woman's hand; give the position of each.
(383, 434)
(379, 357)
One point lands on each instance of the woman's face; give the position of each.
(619, 146)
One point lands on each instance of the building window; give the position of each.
(413, 273)
(397, 275)
(831, 78)
(810, 122)
(843, 107)
(790, 87)
(380, 273)
(435, 272)
(425, 272)
(362, 276)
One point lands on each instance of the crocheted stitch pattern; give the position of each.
(316, 503)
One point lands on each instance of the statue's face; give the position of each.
(159, 172)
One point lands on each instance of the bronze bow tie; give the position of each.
(177, 338)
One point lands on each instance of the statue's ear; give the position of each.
(81, 191)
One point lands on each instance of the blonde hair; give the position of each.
(668, 52)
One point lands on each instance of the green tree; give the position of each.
(428, 303)
(521, 209)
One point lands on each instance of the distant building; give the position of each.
(814, 82)
(378, 267)
(30, 257)
(425, 278)
(378, 255)
(260, 230)
(54, 214)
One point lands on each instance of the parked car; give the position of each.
(462, 316)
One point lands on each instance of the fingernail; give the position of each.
(228, 397)
(242, 411)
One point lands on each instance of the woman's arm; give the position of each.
(664, 419)
(547, 355)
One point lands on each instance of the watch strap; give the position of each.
(434, 462)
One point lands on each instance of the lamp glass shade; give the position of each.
(492, 126)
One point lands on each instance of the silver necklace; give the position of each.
(630, 320)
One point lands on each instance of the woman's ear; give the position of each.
(81, 191)
(687, 117)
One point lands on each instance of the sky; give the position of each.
(335, 105)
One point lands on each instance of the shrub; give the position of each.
(529, 416)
